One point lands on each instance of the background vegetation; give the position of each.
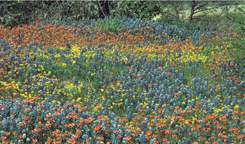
(14, 13)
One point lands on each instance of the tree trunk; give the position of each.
(103, 9)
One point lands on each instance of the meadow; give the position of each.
(72, 83)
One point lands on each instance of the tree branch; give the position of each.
(101, 9)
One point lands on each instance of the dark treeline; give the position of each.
(14, 13)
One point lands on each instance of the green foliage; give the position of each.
(138, 9)
(73, 11)
(108, 24)
(172, 19)
(15, 13)
(238, 18)
(237, 45)
(184, 24)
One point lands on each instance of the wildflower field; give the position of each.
(144, 82)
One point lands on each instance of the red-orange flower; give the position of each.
(159, 110)
(98, 128)
(176, 94)
(139, 75)
(25, 118)
(20, 137)
(128, 138)
(149, 134)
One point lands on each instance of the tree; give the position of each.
(238, 18)
(103, 9)
(195, 8)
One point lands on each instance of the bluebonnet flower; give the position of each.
(75, 81)
(111, 78)
(229, 138)
(89, 74)
(190, 63)
(28, 140)
(200, 97)
(230, 115)
(20, 142)
(211, 107)
(187, 141)
(217, 100)
(195, 136)
(230, 83)
(168, 120)
(234, 100)
(241, 85)
(41, 93)
(171, 103)
(57, 67)
(232, 105)
(235, 123)
(243, 101)
(148, 111)
(173, 127)
(224, 110)
(228, 100)
(44, 89)
(156, 107)
(144, 123)
(219, 141)
(111, 91)
(57, 50)
(78, 69)
(126, 102)
(4, 124)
